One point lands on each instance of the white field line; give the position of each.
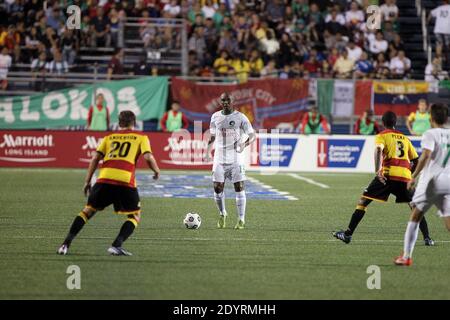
(308, 180)
(272, 189)
(225, 239)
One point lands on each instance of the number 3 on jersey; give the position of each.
(400, 153)
(119, 150)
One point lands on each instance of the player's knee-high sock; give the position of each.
(424, 228)
(219, 198)
(356, 219)
(412, 231)
(76, 227)
(126, 231)
(241, 201)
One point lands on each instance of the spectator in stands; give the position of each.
(208, 9)
(354, 52)
(381, 67)
(58, 65)
(389, 11)
(67, 44)
(114, 20)
(222, 64)
(269, 44)
(172, 8)
(98, 115)
(418, 122)
(314, 123)
(442, 24)
(343, 67)
(378, 45)
(174, 120)
(5, 64)
(366, 124)
(400, 66)
(354, 17)
(363, 67)
(115, 66)
(54, 17)
(100, 26)
(197, 43)
(434, 72)
(142, 68)
(240, 68)
(256, 63)
(270, 70)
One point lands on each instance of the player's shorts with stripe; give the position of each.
(233, 172)
(381, 192)
(124, 199)
(435, 191)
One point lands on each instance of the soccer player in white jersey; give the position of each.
(231, 132)
(434, 184)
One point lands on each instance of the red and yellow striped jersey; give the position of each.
(398, 152)
(121, 151)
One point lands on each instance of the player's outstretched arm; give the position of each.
(152, 164)
(92, 167)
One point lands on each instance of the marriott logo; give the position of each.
(11, 141)
(91, 143)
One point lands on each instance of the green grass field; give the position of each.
(286, 252)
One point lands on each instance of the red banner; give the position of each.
(74, 149)
(363, 96)
(268, 103)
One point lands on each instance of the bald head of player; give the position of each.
(226, 103)
(389, 120)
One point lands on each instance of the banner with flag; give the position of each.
(400, 97)
(363, 96)
(268, 103)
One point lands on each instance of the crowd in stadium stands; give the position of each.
(241, 38)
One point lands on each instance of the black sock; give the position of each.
(423, 226)
(356, 218)
(126, 231)
(77, 225)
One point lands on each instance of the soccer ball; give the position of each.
(192, 221)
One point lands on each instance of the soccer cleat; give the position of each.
(428, 242)
(63, 250)
(402, 261)
(119, 251)
(239, 225)
(342, 236)
(222, 223)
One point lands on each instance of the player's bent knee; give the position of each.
(218, 187)
(87, 213)
(239, 186)
(134, 219)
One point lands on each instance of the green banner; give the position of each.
(444, 84)
(325, 94)
(146, 97)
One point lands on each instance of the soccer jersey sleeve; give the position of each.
(379, 141)
(412, 153)
(145, 145)
(428, 141)
(102, 147)
(246, 126)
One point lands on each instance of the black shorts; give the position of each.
(379, 191)
(124, 199)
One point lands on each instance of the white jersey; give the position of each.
(228, 130)
(442, 15)
(436, 140)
